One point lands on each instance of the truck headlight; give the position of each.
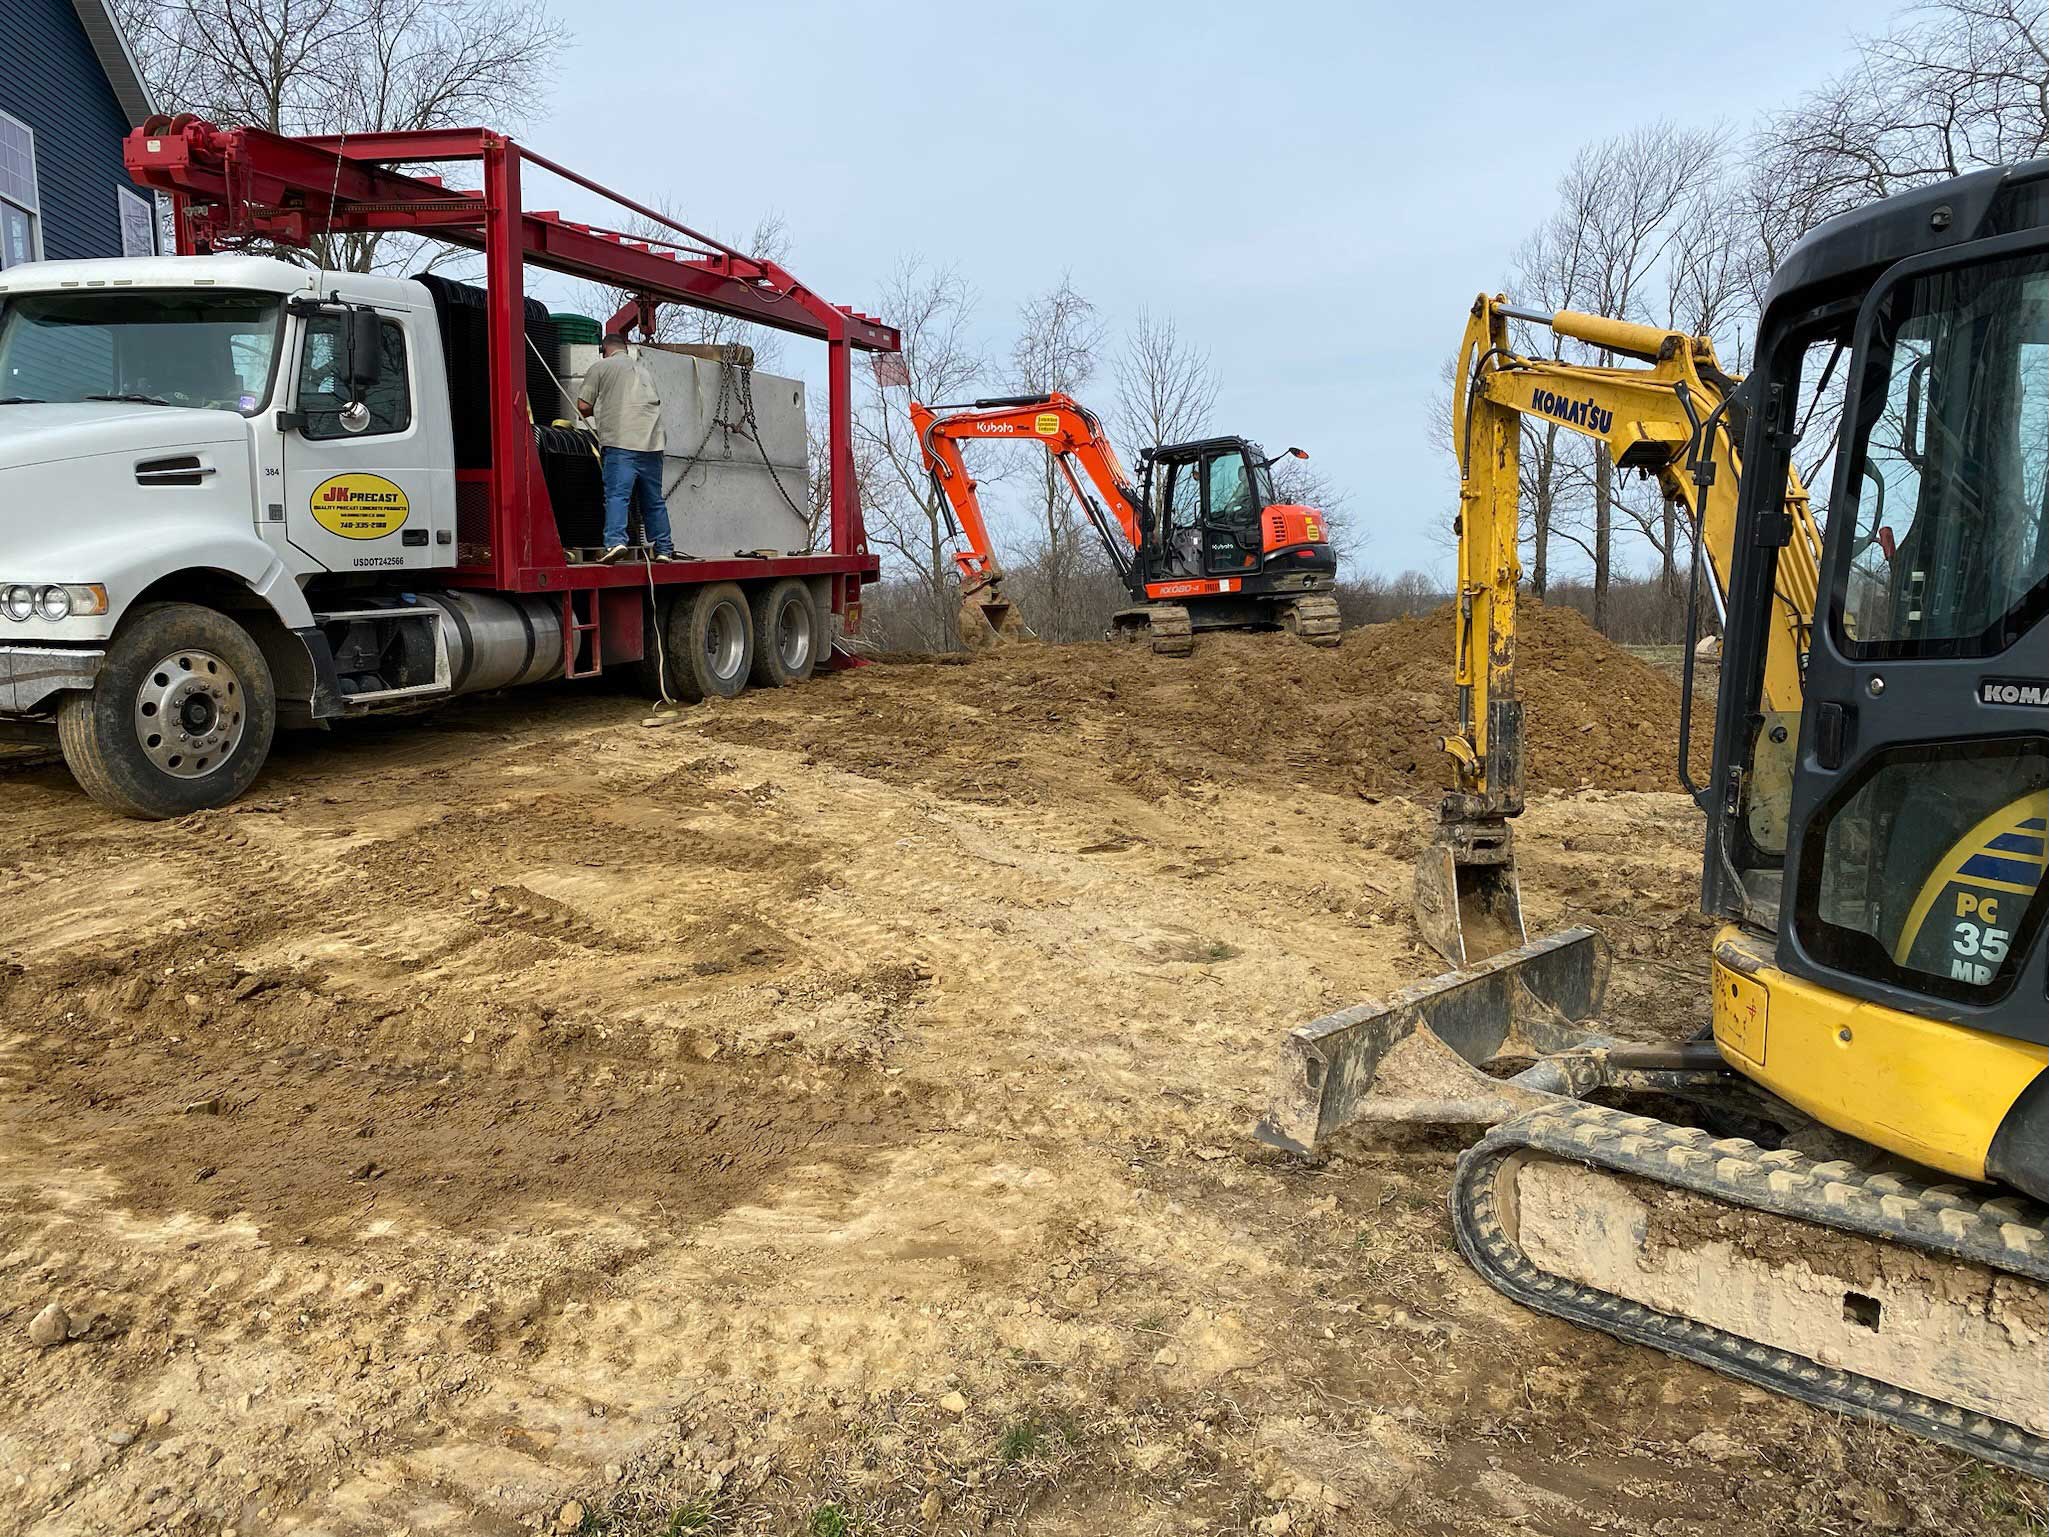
(54, 601)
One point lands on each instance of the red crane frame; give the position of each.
(231, 185)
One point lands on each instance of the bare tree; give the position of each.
(1166, 385)
(1060, 335)
(1299, 482)
(1550, 273)
(932, 308)
(1953, 86)
(868, 469)
(347, 66)
(1626, 206)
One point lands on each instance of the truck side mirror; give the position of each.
(364, 338)
(365, 351)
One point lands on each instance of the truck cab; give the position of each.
(189, 415)
(202, 435)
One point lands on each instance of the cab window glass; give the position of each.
(1263, 485)
(1951, 470)
(1184, 498)
(1819, 389)
(1930, 874)
(324, 386)
(1230, 493)
(187, 348)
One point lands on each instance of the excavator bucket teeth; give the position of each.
(1417, 1057)
(1468, 901)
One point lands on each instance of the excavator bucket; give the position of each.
(1468, 901)
(1418, 1056)
(986, 618)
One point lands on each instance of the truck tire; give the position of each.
(710, 642)
(198, 676)
(785, 634)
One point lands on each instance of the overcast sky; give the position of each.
(1317, 190)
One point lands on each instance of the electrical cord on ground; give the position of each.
(670, 707)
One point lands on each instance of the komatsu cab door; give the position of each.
(1920, 813)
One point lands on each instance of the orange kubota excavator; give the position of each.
(1201, 543)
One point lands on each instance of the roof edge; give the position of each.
(117, 59)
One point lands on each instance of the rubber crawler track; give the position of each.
(1315, 620)
(1173, 633)
(2008, 1234)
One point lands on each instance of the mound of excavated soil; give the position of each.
(1367, 715)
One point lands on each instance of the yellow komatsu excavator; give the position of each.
(1648, 413)
(1836, 1192)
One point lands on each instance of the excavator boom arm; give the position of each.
(1668, 417)
(1069, 431)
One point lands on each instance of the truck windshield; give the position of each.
(172, 348)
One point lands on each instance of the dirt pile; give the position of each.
(1365, 717)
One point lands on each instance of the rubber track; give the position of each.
(2010, 1235)
(1315, 620)
(1173, 633)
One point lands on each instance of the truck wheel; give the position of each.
(785, 634)
(179, 720)
(711, 642)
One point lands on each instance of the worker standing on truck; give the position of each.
(619, 395)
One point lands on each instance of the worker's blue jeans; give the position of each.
(626, 470)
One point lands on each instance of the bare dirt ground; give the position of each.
(828, 1115)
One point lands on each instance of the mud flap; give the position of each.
(1416, 1057)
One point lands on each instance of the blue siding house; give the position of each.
(69, 93)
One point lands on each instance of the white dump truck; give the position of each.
(238, 493)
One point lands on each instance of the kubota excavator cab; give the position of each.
(1216, 528)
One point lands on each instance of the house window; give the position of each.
(19, 209)
(138, 224)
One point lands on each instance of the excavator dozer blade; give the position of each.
(1468, 901)
(1417, 1057)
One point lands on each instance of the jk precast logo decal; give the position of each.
(2016, 691)
(359, 506)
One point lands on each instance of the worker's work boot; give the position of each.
(614, 555)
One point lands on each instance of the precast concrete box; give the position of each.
(733, 483)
